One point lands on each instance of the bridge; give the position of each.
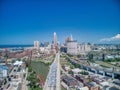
(97, 70)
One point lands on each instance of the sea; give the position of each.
(15, 46)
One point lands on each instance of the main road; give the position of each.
(53, 78)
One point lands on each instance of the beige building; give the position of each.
(36, 44)
(72, 47)
(84, 48)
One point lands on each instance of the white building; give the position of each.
(82, 88)
(3, 71)
(84, 48)
(36, 44)
(55, 39)
(76, 70)
(18, 63)
(72, 47)
(45, 50)
(109, 57)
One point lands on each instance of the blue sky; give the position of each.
(23, 21)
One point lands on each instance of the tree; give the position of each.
(71, 66)
(103, 56)
(71, 72)
(84, 73)
(90, 56)
(6, 57)
(29, 69)
(78, 56)
(77, 65)
(5, 81)
(70, 55)
(19, 59)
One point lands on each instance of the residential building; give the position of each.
(81, 79)
(110, 88)
(69, 81)
(92, 86)
(82, 88)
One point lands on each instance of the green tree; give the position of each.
(71, 72)
(78, 56)
(6, 57)
(29, 69)
(5, 81)
(84, 73)
(19, 59)
(76, 65)
(90, 56)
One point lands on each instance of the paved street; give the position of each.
(53, 78)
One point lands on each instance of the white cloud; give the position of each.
(115, 38)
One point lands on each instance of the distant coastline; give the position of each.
(15, 46)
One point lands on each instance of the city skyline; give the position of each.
(22, 22)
